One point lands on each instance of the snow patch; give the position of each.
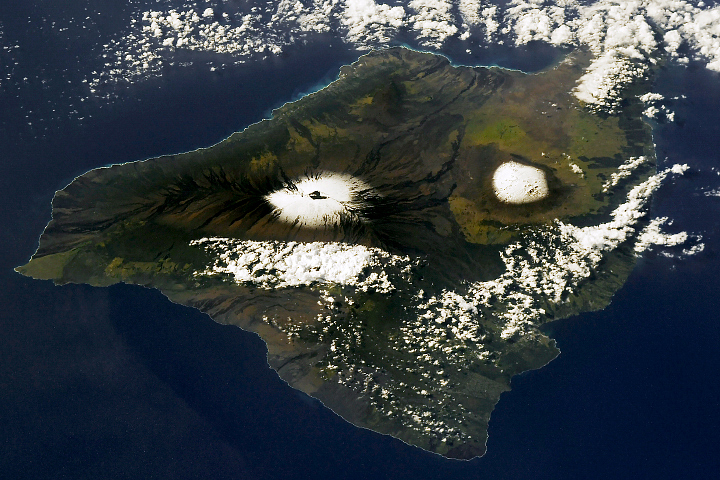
(517, 184)
(319, 200)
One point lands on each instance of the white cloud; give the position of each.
(653, 235)
(548, 263)
(479, 13)
(274, 264)
(370, 23)
(287, 11)
(318, 17)
(654, 107)
(576, 169)
(433, 20)
(539, 21)
(620, 34)
(651, 97)
(541, 270)
(601, 85)
(695, 249)
(624, 171)
(680, 168)
(470, 11)
(577, 253)
(651, 111)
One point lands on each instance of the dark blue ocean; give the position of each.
(120, 383)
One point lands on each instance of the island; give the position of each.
(397, 238)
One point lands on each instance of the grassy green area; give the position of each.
(49, 267)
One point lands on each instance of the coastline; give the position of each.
(287, 106)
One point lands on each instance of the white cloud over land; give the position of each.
(275, 264)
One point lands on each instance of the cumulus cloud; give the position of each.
(539, 21)
(622, 36)
(601, 86)
(623, 171)
(368, 23)
(655, 107)
(433, 20)
(576, 169)
(652, 234)
(274, 264)
(479, 13)
(625, 37)
(542, 269)
(545, 266)
(551, 263)
(651, 97)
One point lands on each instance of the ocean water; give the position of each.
(120, 383)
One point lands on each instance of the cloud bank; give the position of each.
(274, 264)
(625, 38)
(550, 264)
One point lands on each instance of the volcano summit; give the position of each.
(319, 201)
